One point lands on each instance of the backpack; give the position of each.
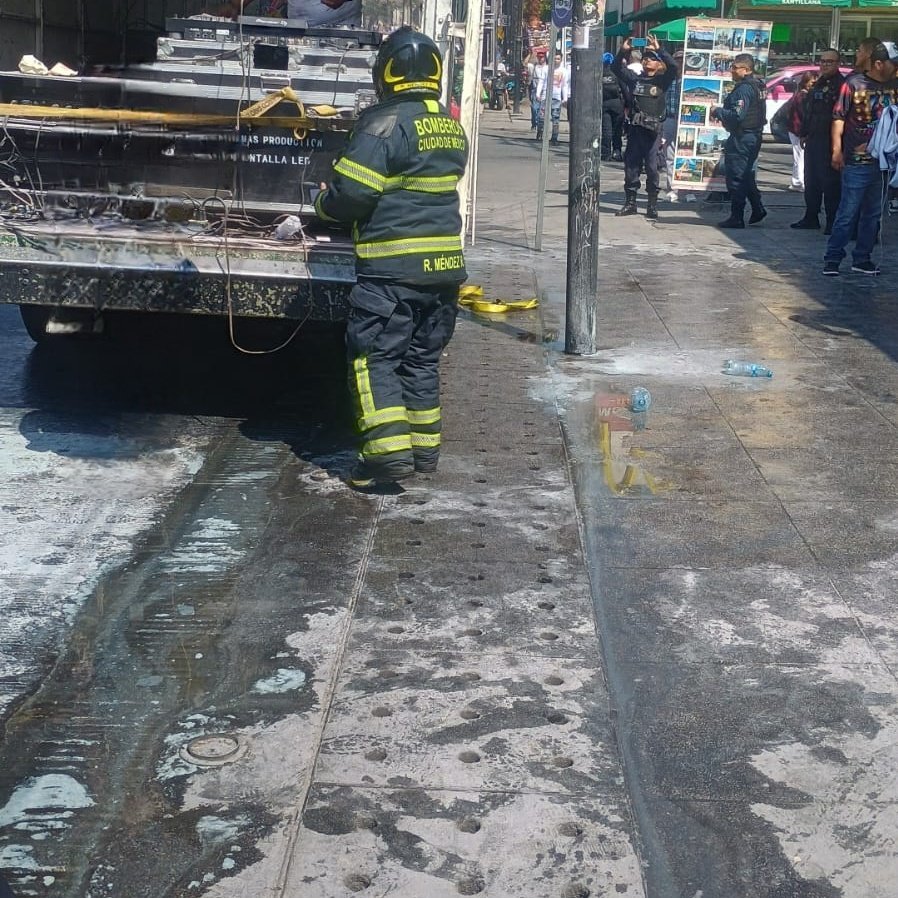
(779, 124)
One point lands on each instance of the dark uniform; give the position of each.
(742, 114)
(396, 184)
(646, 103)
(822, 183)
(612, 112)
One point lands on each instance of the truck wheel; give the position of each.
(67, 323)
(35, 319)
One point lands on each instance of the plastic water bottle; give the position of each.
(640, 400)
(640, 403)
(745, 369)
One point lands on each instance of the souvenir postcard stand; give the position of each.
(711, 45)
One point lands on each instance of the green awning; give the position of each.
(882, 4)
(665, 10)
(612, 18)
(622, 29)
(802, 3)
(671, 31)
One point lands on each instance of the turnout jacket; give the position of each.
(395, 183)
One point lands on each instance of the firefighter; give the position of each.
(395, 182)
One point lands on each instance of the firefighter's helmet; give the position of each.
(408, 62)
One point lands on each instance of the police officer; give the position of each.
(396, 184)
(645, 98)
(612, 111)
(822, 183)
(742, 114)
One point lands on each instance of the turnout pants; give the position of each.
(740, 153)
(394, 339)
(642, 149)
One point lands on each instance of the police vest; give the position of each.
(648, 99)
(610, 86)
(755, 116)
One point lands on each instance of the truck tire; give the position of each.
(76, 323)
(35, 319)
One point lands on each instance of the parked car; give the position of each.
(781, 85)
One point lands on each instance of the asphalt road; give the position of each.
(140, 476)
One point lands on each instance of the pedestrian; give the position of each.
(864, 50)
(647, 110)
(539, 80)
(395, 183)
(822, 183)
(561, 88)
(539, 59)
(669, 128)
(794, 112)
(612, 112)
(861, 101)
(742, 114)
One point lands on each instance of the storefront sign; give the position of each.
(709, 50)
(562, 13)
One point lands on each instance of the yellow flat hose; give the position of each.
(472, 297)
(253, 115)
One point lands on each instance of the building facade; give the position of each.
(801, 28)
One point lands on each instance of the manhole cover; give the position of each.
(213, 750)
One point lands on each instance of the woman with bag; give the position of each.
(786, 127)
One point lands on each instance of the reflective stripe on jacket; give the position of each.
(396, 183)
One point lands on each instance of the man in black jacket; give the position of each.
(396, 184)
(645, 98)
(742, 114)
(612, 112)
(822, 183)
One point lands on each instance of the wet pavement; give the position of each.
(583, 659)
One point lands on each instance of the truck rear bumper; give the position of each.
(175, 272)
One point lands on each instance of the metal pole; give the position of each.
(544, 155)
(470, 97)
(515, 27)
(583, 183)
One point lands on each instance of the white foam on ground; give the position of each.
(64, 522)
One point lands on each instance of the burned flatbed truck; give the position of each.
(183, 185)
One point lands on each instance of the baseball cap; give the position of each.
(608, 57)
(885, 51)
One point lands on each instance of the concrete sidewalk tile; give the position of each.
(870, 595)
(444, 729)
(416, 842)
(751, 614)
(830, 473)
(707, 534)
(711, 731)
(848, 534)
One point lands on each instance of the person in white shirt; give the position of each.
(561, 90)
(539, 74)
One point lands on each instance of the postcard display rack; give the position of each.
(708, 53)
